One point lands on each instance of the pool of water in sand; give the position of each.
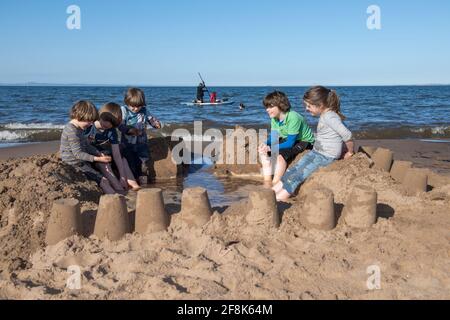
(222, 191)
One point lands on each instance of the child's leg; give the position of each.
(301, 171)
(106, 186)
(266, 166)
(283, 195)
(94, 175)
(143, 155)
(107, 172)
(280, 169)
(129, 175)
(130, 154)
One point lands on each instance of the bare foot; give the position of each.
(134, 186)
(283, 195)
(278, 187)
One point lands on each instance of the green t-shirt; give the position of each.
(294, 123)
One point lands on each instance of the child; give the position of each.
(103, 136)
(76, 151)
(134, 136)
(289, 129)
(331, 133)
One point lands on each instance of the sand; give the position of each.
(228, 257)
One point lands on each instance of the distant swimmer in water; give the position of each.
(241, 106)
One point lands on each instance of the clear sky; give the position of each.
(232, 42)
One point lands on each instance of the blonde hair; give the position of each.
(323, 97)
(112, 113)
(135, 98)
(84, 111)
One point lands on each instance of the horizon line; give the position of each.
(43, 84)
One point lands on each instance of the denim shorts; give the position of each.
(307, 165)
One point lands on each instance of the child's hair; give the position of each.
(135, 98)
(112, 113)
(277, 99)
(321, 96)
(84, 111)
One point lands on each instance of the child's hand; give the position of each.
(263, 148)
(348, 155)
(157, 124)
(103, 159)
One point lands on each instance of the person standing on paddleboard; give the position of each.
(200, 92)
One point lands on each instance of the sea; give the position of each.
(30, 114)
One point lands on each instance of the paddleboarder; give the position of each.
(201, 92)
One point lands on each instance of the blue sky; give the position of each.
(232, 42)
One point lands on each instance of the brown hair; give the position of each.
(277, 99)
(112, 113)
(135, 98)
(84, 111)
(323, 97)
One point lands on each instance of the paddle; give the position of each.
(203, 81)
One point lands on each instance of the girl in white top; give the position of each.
(330, 137)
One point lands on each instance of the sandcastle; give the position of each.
(361, 208)
(383, 159)
(195, 206)
(263, 209)
(318, 209)
(369, 150)
(399, 169)
(65, 221)
(415, 181)
(151, 215)
(112, 220)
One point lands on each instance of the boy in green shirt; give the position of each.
(289, 130)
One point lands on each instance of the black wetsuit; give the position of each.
(200, 93)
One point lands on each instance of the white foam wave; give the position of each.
(28, 126)
(12, 136)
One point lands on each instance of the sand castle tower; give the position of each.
(361, 208)
(65, 221)
(113, 221)
(383, 159)
(415, 181)
(195, 207)
(318, 209)
(399, 169)
(369, 150)
(262, 210)
(151, 215)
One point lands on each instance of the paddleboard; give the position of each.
(205, 104)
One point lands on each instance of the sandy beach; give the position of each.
(231, 256)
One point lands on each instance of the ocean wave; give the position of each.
(21, 135)
(438, 132)
(435, 130)
(11, 136)
(16, 132)
(30, 126)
